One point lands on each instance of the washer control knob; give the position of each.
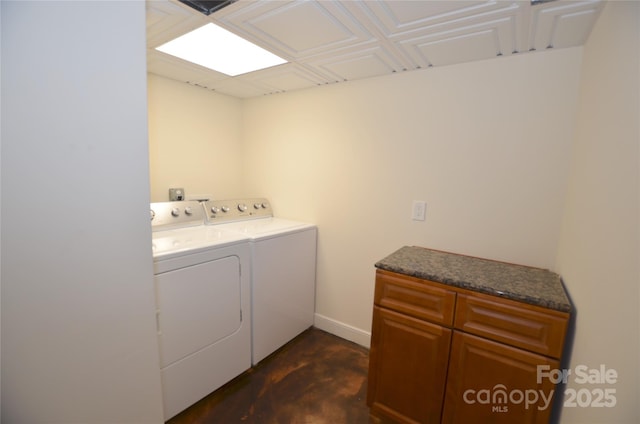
(188, 210)
(153, 214)
(215, 209)
(264, 206)
(242, 207)
(225, 209)
(175, 212)
(257, 206)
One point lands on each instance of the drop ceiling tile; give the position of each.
(167, 20)
(282, 78)
(303, 27)
(362, 66)
(464, 44)
(571, 28)
(174, 68)
(563, 24)
(467, 47)
(400, 16)
(357, 64)
(298, 28)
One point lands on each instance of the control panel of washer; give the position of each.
(217, 211)
(167, 215)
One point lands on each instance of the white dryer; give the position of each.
(203, 303)
(283, 270)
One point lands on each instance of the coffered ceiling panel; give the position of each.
(332, 41)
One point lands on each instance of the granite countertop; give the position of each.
(535, 286)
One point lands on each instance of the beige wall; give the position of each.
(485, 144)
(195, 140)
(599, 252)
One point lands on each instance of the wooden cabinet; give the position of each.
(406, 349)
(490, 382)
(410, 339)
(442, 354)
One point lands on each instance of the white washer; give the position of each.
(283, 270)
(202, 281)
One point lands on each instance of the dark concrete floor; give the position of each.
(317, 378)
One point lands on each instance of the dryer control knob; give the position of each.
(215, 209)
(175, 212)
(188, 210)
(225, 209)
(242, 207)
(153, 214)
(257, 206)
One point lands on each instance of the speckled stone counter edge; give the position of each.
(530, 285)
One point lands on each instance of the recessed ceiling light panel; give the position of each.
(216, 48)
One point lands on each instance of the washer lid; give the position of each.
(183, 241)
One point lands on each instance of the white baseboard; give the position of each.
(345, 331)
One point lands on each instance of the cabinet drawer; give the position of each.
(414, 297)
(513, 323)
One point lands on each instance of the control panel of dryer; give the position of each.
(218, 211)
(167, 215)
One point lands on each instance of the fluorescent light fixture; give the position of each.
(216, 48)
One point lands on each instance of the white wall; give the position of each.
(599, 253)
(485, 144)
(78, 314)
(196, 140)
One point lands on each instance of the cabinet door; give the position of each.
(489, 382)
(407, 368)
